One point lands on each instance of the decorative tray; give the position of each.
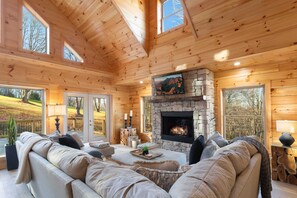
(138, 153)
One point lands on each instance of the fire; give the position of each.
(179, 130)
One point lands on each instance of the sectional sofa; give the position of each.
(60, 171)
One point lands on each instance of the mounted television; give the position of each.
(169, 85)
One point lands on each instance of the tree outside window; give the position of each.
(146, 115)
(244, 112)
(70, 54)
(35, 33)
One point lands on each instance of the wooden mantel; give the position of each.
(179, 98)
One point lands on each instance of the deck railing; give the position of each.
(32, 125)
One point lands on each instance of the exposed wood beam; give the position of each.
(31, 60)
(190, 22)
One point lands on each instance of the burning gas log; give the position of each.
(179, 130)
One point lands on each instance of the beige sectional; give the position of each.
(59, 171)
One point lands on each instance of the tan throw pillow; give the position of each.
(42, 147)
(111, 181)
(71, 161)
(168, 165)
(77, 139)
(164, 179)
(212, 177)
(238, 153)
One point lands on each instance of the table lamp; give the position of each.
(57, 110)
(286, 127)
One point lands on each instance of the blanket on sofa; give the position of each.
(265, 172)
(24, 171)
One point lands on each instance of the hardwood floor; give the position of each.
(8, 189)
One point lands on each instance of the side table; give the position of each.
(283, 163)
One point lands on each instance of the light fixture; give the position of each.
(57, 110)
(221, 56)
(237, 63)
(286, 127)
(141, 82)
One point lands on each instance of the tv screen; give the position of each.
(169, 84)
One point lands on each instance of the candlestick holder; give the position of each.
(130, 124)
(125, 124)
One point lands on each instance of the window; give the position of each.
(172, 14)
(35, 31)
(146, 114)
(71, 54)
(244, 112)
(26, 106)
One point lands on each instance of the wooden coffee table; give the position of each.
(123, 155)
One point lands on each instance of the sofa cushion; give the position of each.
(213, 177)
(77, 139)
(168, 165)
(238, 153)
(196, 150)
(114, 181)
(42, 147)
(67, 140)
(164, 179)
(218, 138)
(72, 161)
(209, 149)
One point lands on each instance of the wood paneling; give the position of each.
(280, 81)
(104, 25)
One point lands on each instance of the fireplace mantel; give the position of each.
(178, 98)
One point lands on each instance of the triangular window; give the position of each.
(71, 54)
(35, 31)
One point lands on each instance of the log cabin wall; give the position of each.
(135, 95)
(280, 82)
(50, 71)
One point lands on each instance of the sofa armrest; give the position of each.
(80, 189)
(247, 183)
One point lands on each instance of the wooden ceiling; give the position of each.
(109, 27)
(256, 32)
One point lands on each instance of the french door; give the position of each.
(88, 115)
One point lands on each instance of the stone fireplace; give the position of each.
(186, 116)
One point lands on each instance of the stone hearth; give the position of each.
(198, 97)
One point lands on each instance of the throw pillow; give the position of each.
(168, 165)
(163, 179)
(209, 150)
(54, 137)
(69, 141)
(219, 139)
(196, 150)
(77, 139)
(95, 153)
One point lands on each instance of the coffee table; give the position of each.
(123, 155)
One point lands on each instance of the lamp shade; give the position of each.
(56, 110)
(289, 126)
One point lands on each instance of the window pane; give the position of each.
(34, 33)
(173, 21)
(99, 113)
(171, 6)
(147, 115)
(244, 112)
(75, 122)
(69, 55)
(25, 105)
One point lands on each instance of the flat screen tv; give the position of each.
(169, 85)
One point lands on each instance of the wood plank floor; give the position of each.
(8, 189)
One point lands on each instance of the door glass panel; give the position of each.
(99, 115)
(75, 110)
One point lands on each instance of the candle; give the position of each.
(131, 113)
(125, 116)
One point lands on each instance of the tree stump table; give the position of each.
(283, 163)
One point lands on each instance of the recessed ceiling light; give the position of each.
(141, 82)
(237, 63)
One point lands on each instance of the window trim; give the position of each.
(142, 122)
(161, 18)
(42, 20)
(264, 108)
(66, 44)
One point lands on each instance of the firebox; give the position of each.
(177, 126)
